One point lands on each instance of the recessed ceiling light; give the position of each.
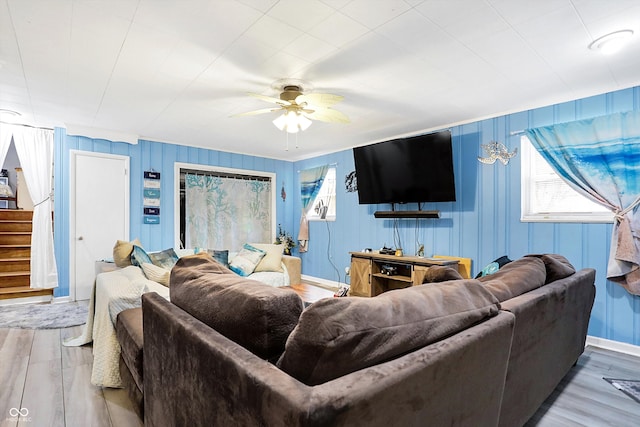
(6, 112)
(612, 42)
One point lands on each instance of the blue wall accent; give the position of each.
(161, 157)
(484, 223)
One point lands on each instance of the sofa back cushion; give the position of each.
(557, 266)
(254, 315)
(336, 336)
(516, 278)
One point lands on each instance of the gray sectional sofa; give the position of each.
(229, 351)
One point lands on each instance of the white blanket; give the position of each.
(113, 292)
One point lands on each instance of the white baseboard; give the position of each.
(25, 300)
(60, 300)
(333, 285)
(620, 347)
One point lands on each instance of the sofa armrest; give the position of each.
(294, 267)
(550, 333)
(195, 376)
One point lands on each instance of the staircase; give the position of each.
(15, 255)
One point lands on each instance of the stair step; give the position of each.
(14, 278)
(15, 251)
(16, 214)
(7, 225)
(14, 264)
(23, 292)
(15, 238)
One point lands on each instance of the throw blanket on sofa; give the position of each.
(113, 292)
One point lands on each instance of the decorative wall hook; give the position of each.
(496, 151)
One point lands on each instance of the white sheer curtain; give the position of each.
(35, 151)
(5, 142)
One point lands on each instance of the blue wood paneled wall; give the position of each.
(484, 223)
(161, 157)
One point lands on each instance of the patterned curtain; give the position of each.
(310, 183)
(600, 159)
(226, 213)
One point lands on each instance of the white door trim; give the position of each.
(73, 154)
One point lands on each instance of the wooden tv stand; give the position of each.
(368, 280)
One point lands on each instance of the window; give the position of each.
(323, 207)
(223, 208)
(546, 197)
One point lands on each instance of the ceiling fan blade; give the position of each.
(327, 115)
(269, 98)
(319, 99)
(256, 112)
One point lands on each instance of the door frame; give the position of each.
(73, 155)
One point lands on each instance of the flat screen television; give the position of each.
(415, 169)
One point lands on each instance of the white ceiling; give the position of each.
(175, 71)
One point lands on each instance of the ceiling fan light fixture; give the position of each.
(292, 122)
(612, 42)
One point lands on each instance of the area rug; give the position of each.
(629, 387)
(43, 316)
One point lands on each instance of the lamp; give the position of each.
(612, 42)
(292, 121)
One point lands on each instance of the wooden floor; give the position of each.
(583, 398)
(52, 382)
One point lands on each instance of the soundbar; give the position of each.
(407, 214)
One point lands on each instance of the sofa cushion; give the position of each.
(122, 252)
(156, 274)
(272, 260)
(337, 336)
(139, 256)
(516, 278)
(220, 255)
(557, 266)
(245, 262)
(165, 259)
(254, 315)
(129, 335)
(440, 273)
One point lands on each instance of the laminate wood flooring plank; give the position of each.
(583, 398)
(84, 403)
(75, 356)
(46, 346)
(17, 342)
(43, 395)
(120, 408)
(14, 360)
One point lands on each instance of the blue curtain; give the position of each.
(310, 183)
(600, 158)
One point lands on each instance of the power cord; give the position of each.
(329, 253)
(396, 234)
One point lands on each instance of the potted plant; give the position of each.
(285, 239)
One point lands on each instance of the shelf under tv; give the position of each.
(407, 214)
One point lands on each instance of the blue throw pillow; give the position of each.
(139, 256)
(247, 259)
(222, 256)
(165, 259)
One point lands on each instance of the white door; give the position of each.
(99, 214)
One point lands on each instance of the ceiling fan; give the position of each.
(299, 109)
